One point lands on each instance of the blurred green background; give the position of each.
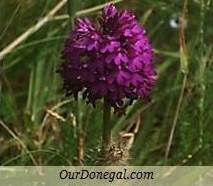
(40, 126)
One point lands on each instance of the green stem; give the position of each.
(107, 127)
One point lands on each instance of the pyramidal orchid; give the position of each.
(110, 59)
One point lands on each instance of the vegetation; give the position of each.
(40, 126)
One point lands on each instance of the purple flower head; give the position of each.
(112, 59)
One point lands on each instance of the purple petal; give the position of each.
(122, 77)
(109, 11)
(120, 57)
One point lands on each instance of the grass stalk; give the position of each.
(184, 70)
(43, 21)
